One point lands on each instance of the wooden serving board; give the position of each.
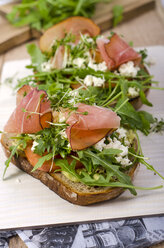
(11, 36)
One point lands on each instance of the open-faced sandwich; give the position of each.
(74, 53)
(74, 127)
(80, 152)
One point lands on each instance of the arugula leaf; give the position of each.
(158, 125)
(117, 14)
(21, 144)
(42, 14)
(143, 54)
(123, 178)
(8, 161)
(110, 151)
(129, 116)
(42, 160)
(37, 56)
(144, 99)
(65, 166)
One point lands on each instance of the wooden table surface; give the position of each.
(144, 30)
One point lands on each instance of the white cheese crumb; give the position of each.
(74, 95)
(18, 180)
(116, 144)
(79, 62)
(89, 40)
(34, 145)
(122, 132)
(133, 91)
(128, 69)
(90, 80)
(122, 157)
(46, 66)
(63, 134)
(100, 145)
(61, 117)
(124, 161)
(150, 60)
(98, 67)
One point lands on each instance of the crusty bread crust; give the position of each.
(76, 193)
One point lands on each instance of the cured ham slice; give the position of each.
(89, 124)
(31, 114)
(74, 25)
(116, 52)
(22, 92)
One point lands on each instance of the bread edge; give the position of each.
(62, 187)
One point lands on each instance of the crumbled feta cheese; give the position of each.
(46, 66)
(90, 80)
(116, 144)
(89, 40)
(98, 67)
(116, 72)
(150, 60)
(100, 145)
(18, 180)
(121, 132)
(124, 161)
(122, 157)
(63, 134)
(88, 56)
(61, 117)
(133, 91)
(79, 62)
(128, 69)
(34, 145)
(74, 95)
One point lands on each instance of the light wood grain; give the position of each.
(6, 8)
(161, 245)
(131, 8)
(12, 36)
(145, 30)
(103, 17)
(16, 242)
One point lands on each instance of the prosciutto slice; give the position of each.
(31, 114)
(89, 124)
(116, 52)
(22, 92)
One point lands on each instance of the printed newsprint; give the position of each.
(130, 233)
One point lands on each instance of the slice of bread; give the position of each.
(76, 193)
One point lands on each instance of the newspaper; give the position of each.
(129, 233)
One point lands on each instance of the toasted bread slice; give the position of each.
(76, 193)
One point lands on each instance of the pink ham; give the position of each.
(33, 119)
(116, 52)
(22, 92)
(86, 130)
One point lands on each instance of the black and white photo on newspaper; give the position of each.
(128, 233)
